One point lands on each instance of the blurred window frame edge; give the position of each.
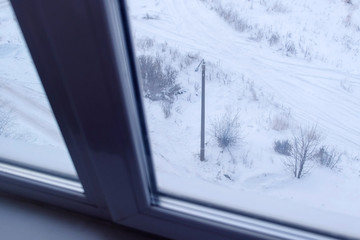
(91, 85)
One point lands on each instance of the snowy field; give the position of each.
(29, 134)
(273, 68)
(275, 72)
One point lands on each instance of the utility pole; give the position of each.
(202, 141)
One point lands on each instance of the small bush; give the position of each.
(274, 39)
(283, 147)
(304, 144)
(151, 17)
(233, 18)
(158, 79)
(246, 161)
(277, 7)
(145, 43)
(5, 121)
(280, 122)
(258, 35)
(241, 25)
(166, 106)
(251, 87)
(290, 48)
(190, 58)
(4, 124)
(196, 87)
(226, 130)
(329, 158)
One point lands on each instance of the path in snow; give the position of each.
(312, 90)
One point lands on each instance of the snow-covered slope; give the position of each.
(314, 84)
(314, 91)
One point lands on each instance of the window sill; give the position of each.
(20, 219)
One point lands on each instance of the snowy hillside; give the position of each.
(275, 69)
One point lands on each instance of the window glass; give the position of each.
(274, 89)
(29, 134)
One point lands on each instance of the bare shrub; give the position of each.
(196, 87)
(252, 91)
(174, 53)
(246, 161)
(223, 77)
(4, 124)
(233, 18)
(241, 25)
(145, 43)
(5, 120)
(274, 39)
(189, 98)
(328, 157)
(151, 17)
(258, 35)
(190, 58)
(164, 46)
(166, 106)
(290, 48)
(306, 53)
(304, 150)
(283, 147)
(226, 130)
(277, 7)
(281, 122)
(158, 79)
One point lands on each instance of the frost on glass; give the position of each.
(29, 135)
(282, 129)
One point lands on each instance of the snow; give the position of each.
(292, 65)
(315, 85)
(32, 138)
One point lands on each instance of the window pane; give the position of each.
(281, 116)
(29, 134)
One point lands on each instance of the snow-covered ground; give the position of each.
(267, 62)
(29, 134)
(275, 66)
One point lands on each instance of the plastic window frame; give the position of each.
(84, 56)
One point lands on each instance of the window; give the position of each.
(83, 54)
(31, 144)
(260, 72)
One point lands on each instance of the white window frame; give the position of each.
(83, 52)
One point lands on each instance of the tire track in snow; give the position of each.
(4, 4)
(318, 98)
(315, 94)
(312, 90)
(34, 112)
